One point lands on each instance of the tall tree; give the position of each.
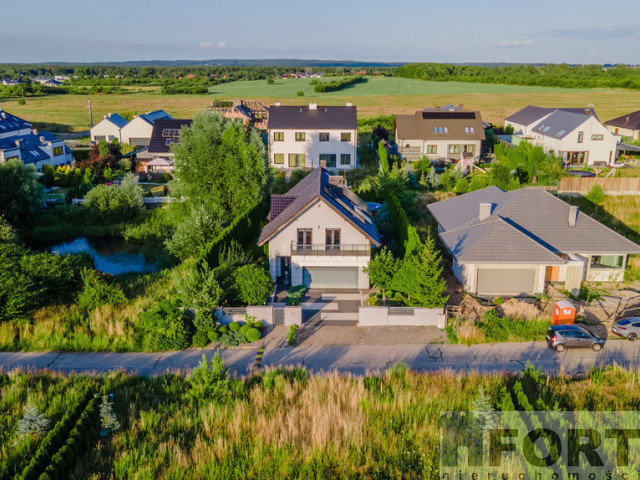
(381, 270)
(20, 193)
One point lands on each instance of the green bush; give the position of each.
(252, 284)
(292, 336)
(234, 326)
(164, 327)
(114, 203)
(407, 234)
(338, 84)
(596, 195)
(222, 329)
(253, 334)
(98, 290)
(200, 339)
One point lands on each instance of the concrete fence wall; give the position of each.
(398, 316)
(231, 314)
(610, 186)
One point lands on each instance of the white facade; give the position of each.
(337, 147)
(354, 251)
(106, 130)
(624, 132)
(414, 150)
(55, 150)
(136, 132)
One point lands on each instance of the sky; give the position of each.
(456, 31)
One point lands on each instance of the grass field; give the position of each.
(379, 95)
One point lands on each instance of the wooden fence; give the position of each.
(610, 186)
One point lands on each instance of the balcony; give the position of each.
(322, 250)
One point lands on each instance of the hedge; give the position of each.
(407, 234)
(68, 432)
(335, 85)
(382, 155)
(244, 229)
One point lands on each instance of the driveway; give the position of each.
(357, 360)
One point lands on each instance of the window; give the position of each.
(580, 137)
(57, 151)
(469, 130)
(432, 149)
(453, 149)
(561, 132)
(300, 137)
(111, 137)
(168, 141)
(278, 136)
(345, 137)
(332, 238)
(324, 136)
(440, 129)
(278, 158)
(597, 137)
(297, 160)
(468, 148)
(304, 237)
(345, 159)
(446, 129)
(330, 158)
(607, 261)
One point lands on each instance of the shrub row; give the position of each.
(407, 234)
(335, 85)
(55, 439)
(382, 155)
(244, 229)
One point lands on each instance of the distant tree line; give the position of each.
(550, 75)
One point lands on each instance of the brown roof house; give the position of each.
(443, 133)
(319, 235)
(512, 243)
(627, 125)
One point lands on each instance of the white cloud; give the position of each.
(205, 45)
(516, 43)
(221, 45)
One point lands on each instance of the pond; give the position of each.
(109, 255)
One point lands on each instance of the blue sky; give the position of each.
(572, 31)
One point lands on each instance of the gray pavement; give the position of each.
(357, 360)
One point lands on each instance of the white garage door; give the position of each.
(330, 277)
(503, 281)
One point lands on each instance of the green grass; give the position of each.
(288, 88)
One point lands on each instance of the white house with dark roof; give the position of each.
(626, 126)
(138, 131)
(575, 135)
(512, 243)
(159, 158)
(304, 136)
(446, 133)
(108, 128)
(320, 235)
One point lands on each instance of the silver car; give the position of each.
(560, 337)
(627, 327)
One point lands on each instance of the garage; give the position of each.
(330, 277)
(139, 142)
(505, 281)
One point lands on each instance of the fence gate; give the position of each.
(278, 316)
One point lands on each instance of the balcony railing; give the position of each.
(322, 250)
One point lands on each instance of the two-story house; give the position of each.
(19, 141)
(626, 126)
(138, 131)
(304, 136)
(320, 235)
(445, 133)
(575, 135)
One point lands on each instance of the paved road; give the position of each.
(358, 360)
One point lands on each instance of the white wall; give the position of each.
(624, 132)
(380, 317)
(138, 128)
(14, 133)
(442, 147)
(312, 147)
(105, 129)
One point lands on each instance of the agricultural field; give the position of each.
(284, 423)
(379, 95)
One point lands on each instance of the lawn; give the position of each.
(380, 95)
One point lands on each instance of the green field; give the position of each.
(374, 86)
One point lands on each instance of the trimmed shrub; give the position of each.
(234, 326)
(253, 334)
(164, 327)
(222, 329)
(407, 234)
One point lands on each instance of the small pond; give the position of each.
(109, 255)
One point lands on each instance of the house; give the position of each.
(109, 128)
(626, 126)
(50, 82)
(320, 235)
(513, 243)
(249, 111)
(19, 141)
(575, 135)
(444, 133)
(166, 132)
(304, 136)
(138, 131)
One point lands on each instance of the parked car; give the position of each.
(560, 337)
(627, 327)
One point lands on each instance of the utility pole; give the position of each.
(90, 114)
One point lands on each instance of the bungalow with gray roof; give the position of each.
(626, 126)
(320, 235)
(109, 128)
(513, 243)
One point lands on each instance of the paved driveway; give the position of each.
(358, 360)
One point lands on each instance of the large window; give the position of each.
(304, 237)
(278, 158)
(345, 137)
(330, 158)
(440, 129)
(297, 160)
(300, 137)
(597, 137)
(432, 149)
(324, 136)
(607, 261)
(454, 149)
(278, 136)
(345, 159)
(57, 151)
(332, 238)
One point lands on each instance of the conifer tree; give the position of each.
(33, 422)
(108, 419)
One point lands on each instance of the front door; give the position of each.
(285, 270)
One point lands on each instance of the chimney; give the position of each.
(485, 211)
(277, 104)
(323, 164)
(573, 215)
(35, 131)
(349, 104)
(313, 106)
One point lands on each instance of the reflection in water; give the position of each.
(109, 255)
